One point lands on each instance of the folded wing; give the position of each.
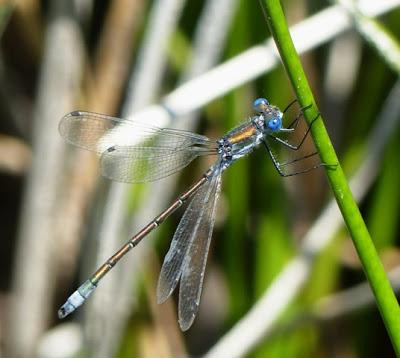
(187, 256)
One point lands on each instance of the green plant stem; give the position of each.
(372, 265)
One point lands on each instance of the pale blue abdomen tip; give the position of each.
(76, 299)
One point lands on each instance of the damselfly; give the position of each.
(153, 153)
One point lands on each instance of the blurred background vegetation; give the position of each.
(59, 219)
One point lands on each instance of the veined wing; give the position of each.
(134, 164)
(98, 132)
(195, 261)
(191, 238)
(132, 151)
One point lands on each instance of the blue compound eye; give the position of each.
(275, 124)
(260, 105)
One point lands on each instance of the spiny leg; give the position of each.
(278, 166)
(316, 166)
(297, 159)
(293, 125)
(293, 102)
(289, 105)
(298, 146)
(273, 158)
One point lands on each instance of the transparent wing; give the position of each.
(173, 262)
(133, 151)
(196, 258)
(98, 132)
(141, 164)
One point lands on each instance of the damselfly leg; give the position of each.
(281, 166)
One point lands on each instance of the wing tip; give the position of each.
(63, 125)
(74, 114)
(186, 322)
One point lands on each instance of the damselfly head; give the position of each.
(273, 119)
(260, 105)
(270, 116)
